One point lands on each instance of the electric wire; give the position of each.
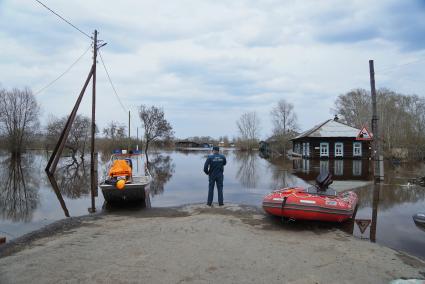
(65, 20)
(62, 74)
(112, 84)
(392, 68)
(115, 91)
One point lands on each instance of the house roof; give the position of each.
(330, 128)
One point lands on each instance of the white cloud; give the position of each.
(207, 62)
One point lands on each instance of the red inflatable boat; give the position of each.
(315, 203)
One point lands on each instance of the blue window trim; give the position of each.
(320, 149)
(361, 150)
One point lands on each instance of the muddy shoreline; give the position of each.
(197, 244)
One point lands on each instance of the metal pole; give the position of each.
(376, 140)
(93, 180)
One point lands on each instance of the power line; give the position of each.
(65, 20)
(112, 84)
(66, 71)
(391, 68)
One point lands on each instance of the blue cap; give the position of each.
(216, 148)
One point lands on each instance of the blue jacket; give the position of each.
(214, 165)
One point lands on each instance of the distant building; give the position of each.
(188, 144)
(331, 140)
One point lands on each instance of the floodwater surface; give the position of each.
(28, 201)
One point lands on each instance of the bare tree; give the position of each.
(249, 129)
(19, 112)
(114, 131)
(401, 118)
(155, 125)
(354, 107)
(285, 124)
(78, 137)
(284, 117)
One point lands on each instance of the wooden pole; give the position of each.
(128, 147)
(57, 152)
(375, 203)
(376, 141)
(93, 178)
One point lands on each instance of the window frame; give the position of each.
(327, 149)
(360, 152)
(342, 149)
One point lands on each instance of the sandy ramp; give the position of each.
(198, 245)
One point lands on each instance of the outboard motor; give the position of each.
(323, 181)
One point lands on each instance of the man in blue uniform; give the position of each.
(214, 167)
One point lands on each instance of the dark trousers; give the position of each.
(219, 181)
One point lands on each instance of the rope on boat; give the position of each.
(281, 208)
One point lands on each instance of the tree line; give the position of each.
(285, 126)
(20, 127)
(401, 119)
(401, 122)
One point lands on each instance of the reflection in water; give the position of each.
(247, 172)
(281, 170)
(375, 202)
(161, 167)
(73, 178)
(341, 169)
(18, 189)
(58, 194)
(390, 195)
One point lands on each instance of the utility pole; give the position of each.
(378, 175)
(128, 148)
(137, 138)
(93, 177)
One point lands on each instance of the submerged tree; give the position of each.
(155, 125)
(284, 123)
(249, 130)
(19, 113)
(78, 139)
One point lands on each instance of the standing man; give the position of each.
(214, 167)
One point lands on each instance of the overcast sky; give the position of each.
(208, 62)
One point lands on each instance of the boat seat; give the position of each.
(315, 190)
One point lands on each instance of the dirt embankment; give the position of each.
(235, 244)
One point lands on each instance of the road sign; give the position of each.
(364, 134)
(363, 224)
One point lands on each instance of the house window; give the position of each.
(324, 166)
(357, 167)
(324, 149)
(298, 148)
(306, 165)
(339, 149)
(339, 167)
(357, 149)
(307, 150)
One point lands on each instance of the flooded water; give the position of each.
(28, 201)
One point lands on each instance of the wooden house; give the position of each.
(332, 139)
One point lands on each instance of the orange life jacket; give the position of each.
(120, 168)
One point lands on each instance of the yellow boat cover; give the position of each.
(120, 168)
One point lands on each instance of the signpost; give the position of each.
(364, 135)
(363, 224)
